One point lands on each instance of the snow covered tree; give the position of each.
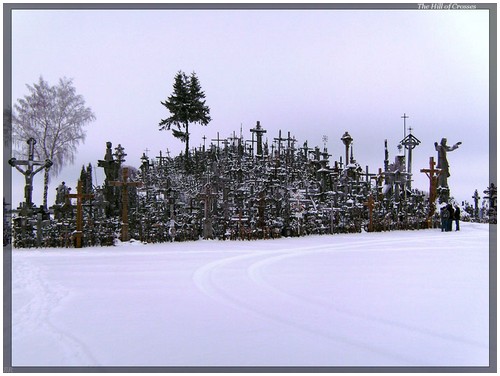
(55, 116)
(186, 105)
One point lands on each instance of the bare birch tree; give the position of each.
(55, 116)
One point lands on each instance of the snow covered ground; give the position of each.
(413, 298)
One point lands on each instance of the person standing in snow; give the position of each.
(451, 216)
(445, 214)
(457, 218)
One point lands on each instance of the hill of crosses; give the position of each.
(238, 189)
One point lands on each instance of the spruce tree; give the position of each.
(186, 105)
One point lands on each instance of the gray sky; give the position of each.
(310, 72)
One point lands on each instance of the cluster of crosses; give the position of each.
(236, 188)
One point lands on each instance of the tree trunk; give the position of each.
(187, 146)
(45, 187)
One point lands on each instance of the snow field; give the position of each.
(413, 298)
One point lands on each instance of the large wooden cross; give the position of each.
(80, 196)
(370, 204)
(125, 184)
(259, 131)
(207, 197)
(433, 175)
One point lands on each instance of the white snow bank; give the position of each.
(414, 298)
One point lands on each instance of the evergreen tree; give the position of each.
(186, 105)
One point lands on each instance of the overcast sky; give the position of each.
(310, 72)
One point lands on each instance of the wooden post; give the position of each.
(125, 184)
(433, 175)
(79, 195)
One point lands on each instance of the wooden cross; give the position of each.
(378, 180)
(161, 159)
(259, 131)
(29, 173)
(207, 197)
(433, 175)
(370, 203)
(80, 196)
(280, 139)
(404, 117)
(218, 139)
(125, 184)
(204, 142)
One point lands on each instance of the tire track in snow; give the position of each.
(205, 281)
(35, 315)
(255, 272)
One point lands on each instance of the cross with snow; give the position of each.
(80, 196)
(125, 184)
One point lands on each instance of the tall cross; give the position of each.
(80, 196)
(259, 131)
(404, 117)
(279, 139)
(147, 151)
(218, 139)
(125, 184)
(433, 175)
(29, 173)
(370, 204)
(207, 197)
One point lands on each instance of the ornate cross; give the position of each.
(125, 184)
(80, 196)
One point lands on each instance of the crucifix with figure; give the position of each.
(30, 172)
(124, 184)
